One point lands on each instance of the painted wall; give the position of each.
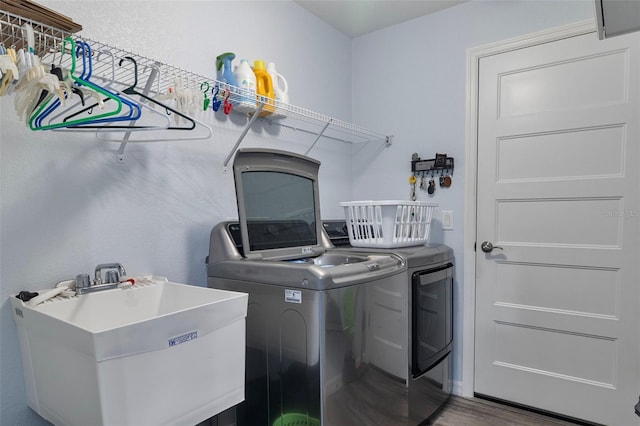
(410, 80)
(66, 204)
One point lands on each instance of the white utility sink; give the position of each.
(158, 353)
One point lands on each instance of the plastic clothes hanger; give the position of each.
(8, 69)
(66, 84)
(110, 85)
(35, 85)
(47, 107)
(69, 87)
(94, 122)
(73, 88)
(134, 109)
(77, 90)
(80, 82)
(132, 91)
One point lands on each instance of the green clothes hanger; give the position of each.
(110, 85)
(80, 82)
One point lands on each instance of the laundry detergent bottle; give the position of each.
(223, 67)
(247, 83)
(281, 89)
(280, 86)
(264, 88)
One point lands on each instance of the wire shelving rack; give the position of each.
(159, 77)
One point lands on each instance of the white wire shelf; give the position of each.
(159, 77)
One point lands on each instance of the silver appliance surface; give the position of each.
(429, 279)
(338, 353)
(329, 330)
(331, 269)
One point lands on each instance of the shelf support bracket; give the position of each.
(318, 136)
(242, 135)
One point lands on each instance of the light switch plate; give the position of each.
(447, 220)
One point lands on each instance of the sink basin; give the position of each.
(159, 353)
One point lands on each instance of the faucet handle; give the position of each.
(82, 281)
(111, 276)
(119, 270)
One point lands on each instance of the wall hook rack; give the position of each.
(441, 163)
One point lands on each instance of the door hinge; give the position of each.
(474, 245)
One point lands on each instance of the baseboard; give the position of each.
(456, 387)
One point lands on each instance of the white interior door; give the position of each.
(557, 308)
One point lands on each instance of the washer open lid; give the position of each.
(278, 204)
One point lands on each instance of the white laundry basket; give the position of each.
(388, 223)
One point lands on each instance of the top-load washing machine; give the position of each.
(328, 329)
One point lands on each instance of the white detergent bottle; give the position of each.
(280, 88)
(247, 83)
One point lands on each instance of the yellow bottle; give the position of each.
(264, 88)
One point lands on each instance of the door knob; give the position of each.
(487, 247)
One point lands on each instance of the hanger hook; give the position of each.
(27, 32)
(82, 47)
(73, 56)
(113, 62)
(135, 70)
(53, 56)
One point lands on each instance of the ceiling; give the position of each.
(357, 17)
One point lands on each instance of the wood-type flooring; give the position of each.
(479, 412)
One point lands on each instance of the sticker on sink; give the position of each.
(292, 296)
(184, 338)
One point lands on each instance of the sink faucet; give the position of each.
(112, 278)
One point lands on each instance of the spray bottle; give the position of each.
(224, 69)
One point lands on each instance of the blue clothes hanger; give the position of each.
(80, 82)
(35, 122)
(134, 111)
(110, 86)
